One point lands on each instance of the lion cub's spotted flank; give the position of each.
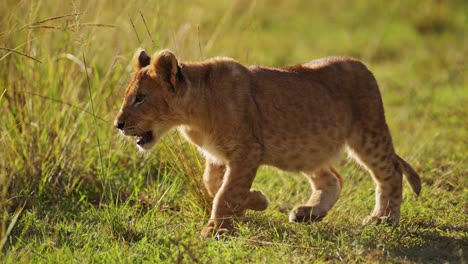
(294, 118)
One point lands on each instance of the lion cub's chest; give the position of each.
(204, 144)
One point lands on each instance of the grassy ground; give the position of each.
(72, 190)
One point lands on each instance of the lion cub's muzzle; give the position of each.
(119, 124)
(147, 137)
(141, 138)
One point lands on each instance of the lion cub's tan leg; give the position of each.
(326, 186)
(234, 195)
(213, 179)
(374, 149)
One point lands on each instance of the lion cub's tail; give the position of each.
(411, 176)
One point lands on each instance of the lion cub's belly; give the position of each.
(303, 146)
(292, 145)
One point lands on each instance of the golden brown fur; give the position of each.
(295, 118)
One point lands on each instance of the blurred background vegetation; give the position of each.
(64, 66)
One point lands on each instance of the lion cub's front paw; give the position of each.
(306, 213)
(218, 228)
(257, 201)
(372, 219)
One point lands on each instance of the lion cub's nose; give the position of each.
(119, 124)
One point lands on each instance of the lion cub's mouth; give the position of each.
(145, 138)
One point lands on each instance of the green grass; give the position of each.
(72, 190)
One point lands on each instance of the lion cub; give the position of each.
(294, 118)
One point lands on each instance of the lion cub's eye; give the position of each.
(139, 99)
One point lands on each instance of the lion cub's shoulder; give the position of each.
(342, 62)
(330, 60)
(225, 66)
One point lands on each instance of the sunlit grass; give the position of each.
(65, 196)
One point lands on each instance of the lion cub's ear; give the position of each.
(166, 66)
(141, 59)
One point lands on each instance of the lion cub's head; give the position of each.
(148, 108)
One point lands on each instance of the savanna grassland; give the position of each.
(73, 190)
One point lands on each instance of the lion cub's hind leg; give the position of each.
(374, 149)
(213, 177)
(326, 186)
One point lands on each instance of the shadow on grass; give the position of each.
(415, 241)
(420, 242)
(435, 248)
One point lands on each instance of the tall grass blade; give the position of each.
(10, 228)
(147, 29)
(94, 115)
(20, 53)
(134, 29)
